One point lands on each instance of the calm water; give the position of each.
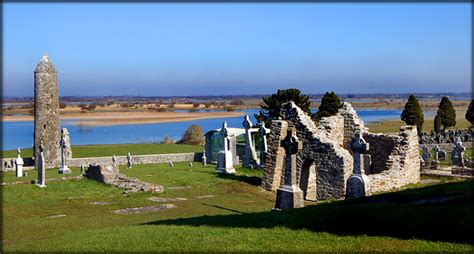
(20, 134)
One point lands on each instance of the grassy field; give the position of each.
(117, 149)
(236, 217)
(393, 126)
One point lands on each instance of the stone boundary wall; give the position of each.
(121, 160)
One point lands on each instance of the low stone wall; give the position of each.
(382, 148)
(121, 160)
(448, 146)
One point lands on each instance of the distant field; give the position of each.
(393, 126)
(122, 149)
(229, 213)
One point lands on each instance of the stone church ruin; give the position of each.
(325, 160)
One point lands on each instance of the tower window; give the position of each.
(44, 126)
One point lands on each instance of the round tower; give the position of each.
(47, 129)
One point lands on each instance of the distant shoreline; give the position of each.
(126, 118)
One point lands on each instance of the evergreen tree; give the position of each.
(330, 104)
(272, 104)
(470, 113)
(413, 114)
(437, 124)
(446, 113)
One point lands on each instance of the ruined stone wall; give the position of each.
(274, 159)
(332, 162)
(333, 126)
(46, 113)
(383, 148)
(351, 122)
(403, 166)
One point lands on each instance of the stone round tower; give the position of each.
(47, 128)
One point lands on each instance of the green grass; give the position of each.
(237, 218)
(121, 149)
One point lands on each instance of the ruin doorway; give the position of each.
(308, 180)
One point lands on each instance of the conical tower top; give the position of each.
(45, 65)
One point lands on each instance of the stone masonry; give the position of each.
(46, 113)
(325, 161)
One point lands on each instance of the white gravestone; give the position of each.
(64, 169)
(19, 164)
(263, 152)
(204, 158)
(250, 156)
(224, 157)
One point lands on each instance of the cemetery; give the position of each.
(293, 184)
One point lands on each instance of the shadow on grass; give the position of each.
(390, 214)
(252, 180)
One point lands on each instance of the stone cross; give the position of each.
(458, 153)
(64, 168)
(19, 164)
(358, 147)
(129, 161)
(204, 158)
(263, 152)
(41, 168)
(250, 158)
(358, 184)
(289, 195)
(291, 145)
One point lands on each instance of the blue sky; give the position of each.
(231, 49)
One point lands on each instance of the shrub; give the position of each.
(193, 136)
(62, 105)
(196, 105)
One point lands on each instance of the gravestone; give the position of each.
(458, 153)
(19, 164)
(129, 161)
(263, 152)
(224, 157)
(436, 151)
(250, 156)
(358, 184)
(426, 153)
(191, 164)
(289, 195)
(204, 158)
(64, 169)
(41, 169)
(170, 163)
(114, 160)
(442, 155)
